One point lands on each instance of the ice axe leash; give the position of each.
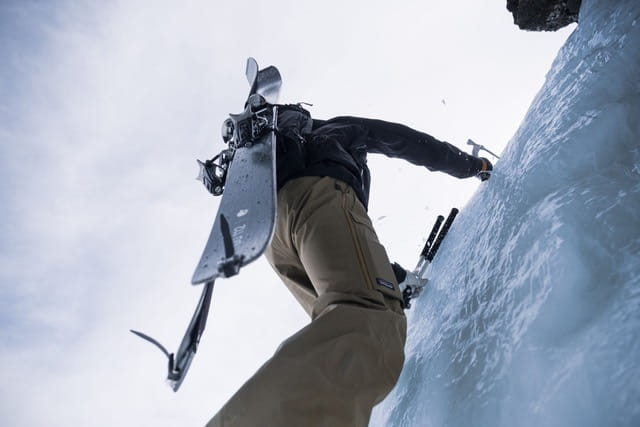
(179, 362)
(416, 280)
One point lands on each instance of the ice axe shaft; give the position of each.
(477, 147)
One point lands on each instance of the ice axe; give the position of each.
(477, 147)
(413, 282)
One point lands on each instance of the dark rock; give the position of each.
(543, 15)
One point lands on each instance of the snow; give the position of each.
(532, 315)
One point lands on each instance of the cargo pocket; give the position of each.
(377, 268)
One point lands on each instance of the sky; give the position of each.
(103, 111)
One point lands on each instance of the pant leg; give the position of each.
(333, 371)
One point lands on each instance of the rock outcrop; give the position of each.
(543, 15)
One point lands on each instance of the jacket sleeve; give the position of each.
(399, 141)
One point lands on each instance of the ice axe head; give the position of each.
(477, 147)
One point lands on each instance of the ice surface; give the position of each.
(532, 317)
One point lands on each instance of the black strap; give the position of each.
(178, 364)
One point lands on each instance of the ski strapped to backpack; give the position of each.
(414, 281)
(245, 221)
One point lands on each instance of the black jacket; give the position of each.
(338, 148)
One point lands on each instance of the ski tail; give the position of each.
(178, 364)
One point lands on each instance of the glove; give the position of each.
(485, 173)
(399, 272)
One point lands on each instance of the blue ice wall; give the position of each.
(532, 316)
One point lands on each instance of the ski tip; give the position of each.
(251, 71)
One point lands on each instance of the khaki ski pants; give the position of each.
(336, 369)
